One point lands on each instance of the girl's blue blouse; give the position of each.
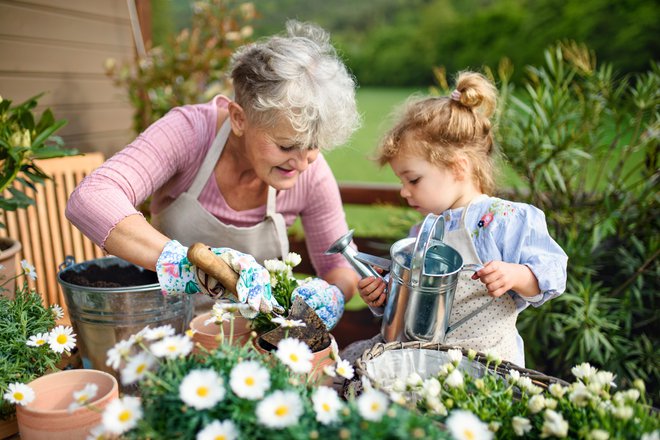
(514, 233)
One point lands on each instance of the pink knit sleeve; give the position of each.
(323, 218)
(169, 150)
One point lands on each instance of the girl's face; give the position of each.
(430, 188)
(275, 157)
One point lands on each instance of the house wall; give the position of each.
(59, 47)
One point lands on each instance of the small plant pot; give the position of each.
(48, 417)
(320, 360)
(9, 248)
(208, 335)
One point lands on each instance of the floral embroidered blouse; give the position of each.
(514, 233)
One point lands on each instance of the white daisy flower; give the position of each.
(83, 397)
(249, 380)
(153, 334)
(414, 380)
(372, 405)
(19, 393)
(121, 350)
(288, 323)
(455, 355)
(464, 425)
(598, 434)
(431, 387)
(280, 409)
(172, 347)
(28, 269)
(97, 433)
(334, 350)
(61, 339)
(57, 311)
(122, 414)
(293, 259)
(326, 405)
(455, 379)
(554, 425)
(295, 354)
(37, 340)
(536, 403)
(202, 389)
(521, 425)
(513, 376)
(217, 430)
(345, 369)
(557, 390)
(584, 371)
(276, 266)
(329, 370)
(137, 367)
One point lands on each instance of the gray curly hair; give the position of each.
(298, 77)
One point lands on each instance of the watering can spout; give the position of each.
(341, 246)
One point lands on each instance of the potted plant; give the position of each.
(237, 392)
(31, 345)
(23, 139)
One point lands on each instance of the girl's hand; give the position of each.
(372, 291)
(500, 277)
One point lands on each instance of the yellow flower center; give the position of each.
(468, 434)
(171, 348)
(281, 410)
(61, 339)
(202, 391)
(140, 368)
(220, 437)
(40, 342)
(249, 381)
(375, 406)
(325, 407)
(293, 357)
(18, 396)
(125, 416)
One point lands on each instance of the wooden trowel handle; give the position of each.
(201, 256)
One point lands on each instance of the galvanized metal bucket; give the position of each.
(101, 316)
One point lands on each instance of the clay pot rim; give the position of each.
(65, 411)
(14, 247)
(204, 316)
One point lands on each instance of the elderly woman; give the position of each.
(235, 173)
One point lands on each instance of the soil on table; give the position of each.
(110, 276)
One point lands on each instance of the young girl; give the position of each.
(442, 150)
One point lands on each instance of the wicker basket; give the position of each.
(354, 386)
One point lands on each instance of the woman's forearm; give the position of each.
(135, 240)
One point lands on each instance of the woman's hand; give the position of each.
(325, 299)
(500, 277)
(176, 274)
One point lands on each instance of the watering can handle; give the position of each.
(201, 256)
(432, 228)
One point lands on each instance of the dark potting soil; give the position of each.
(110, 276)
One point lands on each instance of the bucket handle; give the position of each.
(69, 261)
(457, 324)
(433, 228)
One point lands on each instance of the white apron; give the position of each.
(187, 221)
(492, 330)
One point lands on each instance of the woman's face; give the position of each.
(275, 157)
(428, 188)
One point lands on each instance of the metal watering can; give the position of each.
(423, 276)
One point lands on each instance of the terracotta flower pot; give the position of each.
(9, 249)
(208, 335)
(320, 358)
(48, 417)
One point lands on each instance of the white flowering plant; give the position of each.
(237, 392)
(32, 344)
(510, 404)
(282, 282)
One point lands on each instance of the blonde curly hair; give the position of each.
(446, 129)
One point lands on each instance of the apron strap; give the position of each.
(210, 160)
(278, 222)
(465, 211)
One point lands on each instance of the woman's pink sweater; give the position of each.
(164, 160)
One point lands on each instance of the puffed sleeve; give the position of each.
(518, 233)
(524, 239)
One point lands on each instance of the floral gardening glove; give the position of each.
(325, 299)
(177, 275)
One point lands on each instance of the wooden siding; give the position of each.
(59, 47)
